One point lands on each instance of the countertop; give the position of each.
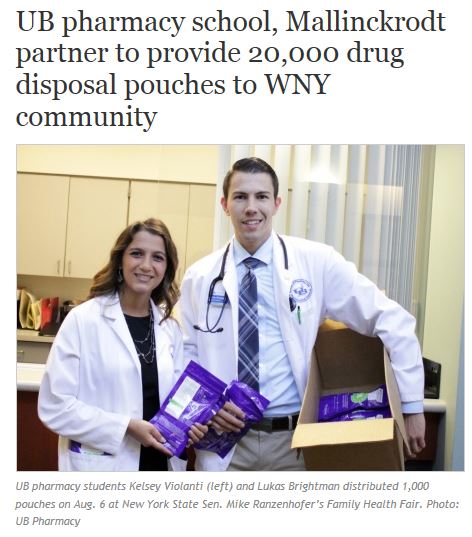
(32, 335)
(435, 405)
(28, 376)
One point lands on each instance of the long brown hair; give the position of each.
(106, 281)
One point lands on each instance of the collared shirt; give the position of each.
(276, 380)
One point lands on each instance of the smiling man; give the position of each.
(252, 311)
(251, 202)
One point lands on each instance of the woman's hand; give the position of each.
(228, 419)
(196, 433)
(147, 435)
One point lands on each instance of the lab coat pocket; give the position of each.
(83, 458)
(303, 313)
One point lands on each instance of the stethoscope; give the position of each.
(213, 329)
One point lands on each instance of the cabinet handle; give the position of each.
(69, 267)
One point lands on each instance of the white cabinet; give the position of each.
(41, 224)
(187, 210)
(201, 217)
(167, 202)
(97, 214)
(67, 226)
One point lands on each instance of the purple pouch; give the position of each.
(342, 403)
(361, 414)
(251, 403)
(195, 398)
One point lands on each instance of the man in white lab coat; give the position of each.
(299, 284)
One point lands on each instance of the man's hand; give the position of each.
(415, 429)
(196, 433)
(228, 419)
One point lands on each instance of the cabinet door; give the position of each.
(167, 202)
(36, 445)
(98, 211)
(32, 352)
(143, 200)
(41, 224)
(201, 217)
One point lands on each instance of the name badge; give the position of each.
(218, 296)
(217, 300)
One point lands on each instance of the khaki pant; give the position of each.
(259, 450)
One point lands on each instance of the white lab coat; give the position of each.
(92, 384)
(330, 287)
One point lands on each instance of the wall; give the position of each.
(189, 164)
(458, 447)
(186, 163)
(445, 289)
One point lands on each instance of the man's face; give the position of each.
(251, 206)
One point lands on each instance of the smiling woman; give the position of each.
(114, 359)
(142, 267)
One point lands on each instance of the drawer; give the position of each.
(31, 352)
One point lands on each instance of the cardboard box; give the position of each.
(345, 361)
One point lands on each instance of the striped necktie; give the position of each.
(248, 359)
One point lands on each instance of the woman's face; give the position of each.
(144, 264)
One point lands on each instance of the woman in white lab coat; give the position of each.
(115, 359)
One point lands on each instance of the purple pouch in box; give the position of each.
(195, 398)
(251, 403)
(342, 403)
(361, 414)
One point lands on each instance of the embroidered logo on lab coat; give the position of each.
(300, 290)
